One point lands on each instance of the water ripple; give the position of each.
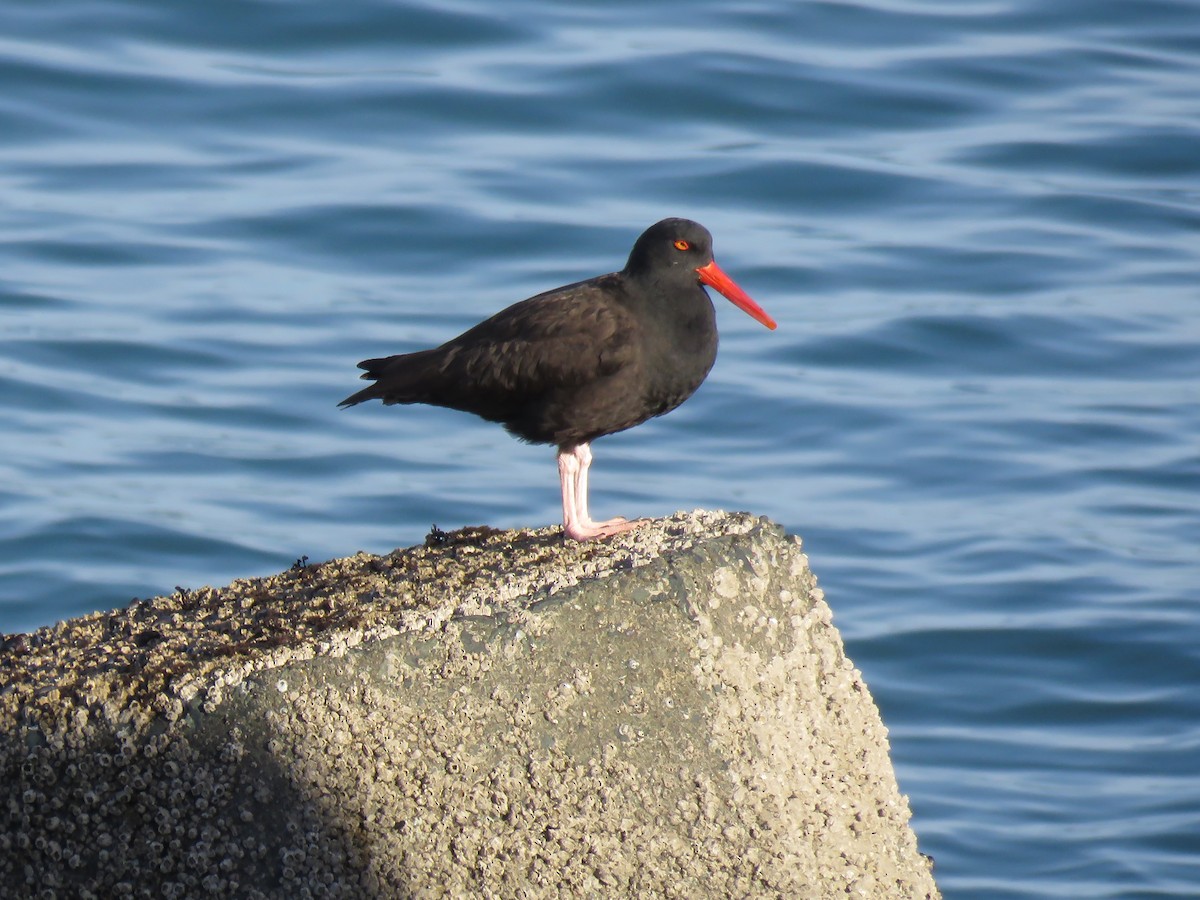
(977, 225)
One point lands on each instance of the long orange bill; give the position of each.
(718, 280)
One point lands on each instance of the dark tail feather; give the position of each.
(395, 378)
(365, 394)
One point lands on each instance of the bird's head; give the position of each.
(680, 249)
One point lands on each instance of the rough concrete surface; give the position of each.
(668, 713)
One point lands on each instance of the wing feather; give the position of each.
(542, 347)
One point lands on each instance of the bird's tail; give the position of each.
(365, 394)
(396, 379)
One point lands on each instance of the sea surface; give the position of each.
(978, 224)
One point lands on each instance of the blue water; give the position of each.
(978, 224)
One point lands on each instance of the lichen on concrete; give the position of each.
(669, 713)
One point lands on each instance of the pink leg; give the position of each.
(573, 464)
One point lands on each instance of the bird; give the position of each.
(578, 362)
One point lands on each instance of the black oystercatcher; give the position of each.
(581, 361)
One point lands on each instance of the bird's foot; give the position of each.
(589, 530)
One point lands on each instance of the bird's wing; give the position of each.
(570, 336)
(573, 335)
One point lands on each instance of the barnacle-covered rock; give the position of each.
(667, 713)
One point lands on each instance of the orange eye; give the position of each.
(682, 245)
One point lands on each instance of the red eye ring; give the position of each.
(682, 245)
